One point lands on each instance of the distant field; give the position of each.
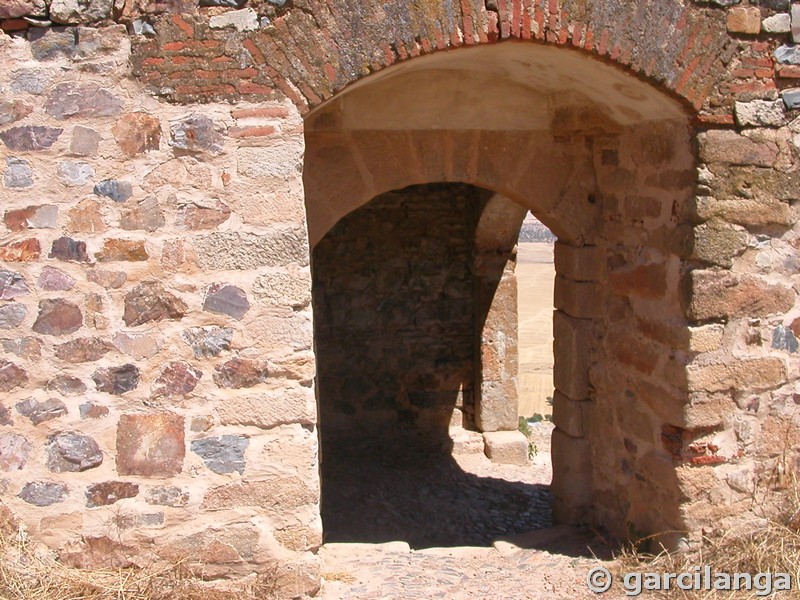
(535, 275)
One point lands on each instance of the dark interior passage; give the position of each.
(400, 300)
(395, 315)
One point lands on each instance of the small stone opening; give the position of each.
(403, 291)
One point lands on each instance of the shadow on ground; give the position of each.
(374, 494)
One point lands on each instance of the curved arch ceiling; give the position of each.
(525, 86)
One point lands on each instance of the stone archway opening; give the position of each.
(415, 328)
(605, 162)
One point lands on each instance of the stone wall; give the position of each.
(155, 287)
(155, 321)
(395, 315)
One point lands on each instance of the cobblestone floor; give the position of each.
(407, 526)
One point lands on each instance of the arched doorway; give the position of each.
(605, 162)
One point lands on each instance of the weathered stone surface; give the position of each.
(149, 301)
(83, 350)
(26, 347)
(71, 451)
(118, 191)
(58, 317)
(111, 280)
(506, 447)
(300, 366)
(53, 280)
(206, 216)
(177, 255)
(13, 9)
(122, 250)
(5, 416)
(136, 133)
(116, 380)
(150, 444)
(646, 281)
(241, 20)
(43, 493)
(226, 300)
(80, 11)
(40, 411)
(209, 341)
(729, 147)
(68, 249)
(66, 385)
(240, 373)
(744, 20)
(706, 338)
(33, 80)
(88, 410)
(12, 314)
(51, 43)
(269, 408)
(718, 243)
(73, 173)
(784, 339)
(94, 315)
(760, 113)
(69, 99)
(739, 375)
(109, 492)
(137, 345)
(11, 112)
(282, 158)
(167, 496)
(795, 23)
(723, 294)
(176, 378)
(14, 452)
(18, 173)
(200, 424)
(215, 545)
(86, 217)
(280, 493)
(778, 23)
(32, 217)
(146, 215)
(197, 133)
(85, 141)
(791, 98)
(284, 289)
(222, 454)
(24, 251)
(788, 54)
(92, 553)
(12, 285)
(233, 251)
(140, 520)
(27, 138)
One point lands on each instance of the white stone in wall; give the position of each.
(760, 113)
(242, 20)
(780, 23)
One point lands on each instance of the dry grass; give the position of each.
(771, 545)
(29, 572)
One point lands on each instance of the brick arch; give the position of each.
(313, 53)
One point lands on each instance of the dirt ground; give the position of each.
(455, 528)
(535, 276)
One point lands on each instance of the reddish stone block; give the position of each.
(24, 251)
(150, 444)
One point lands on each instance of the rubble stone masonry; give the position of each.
(168, 168)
